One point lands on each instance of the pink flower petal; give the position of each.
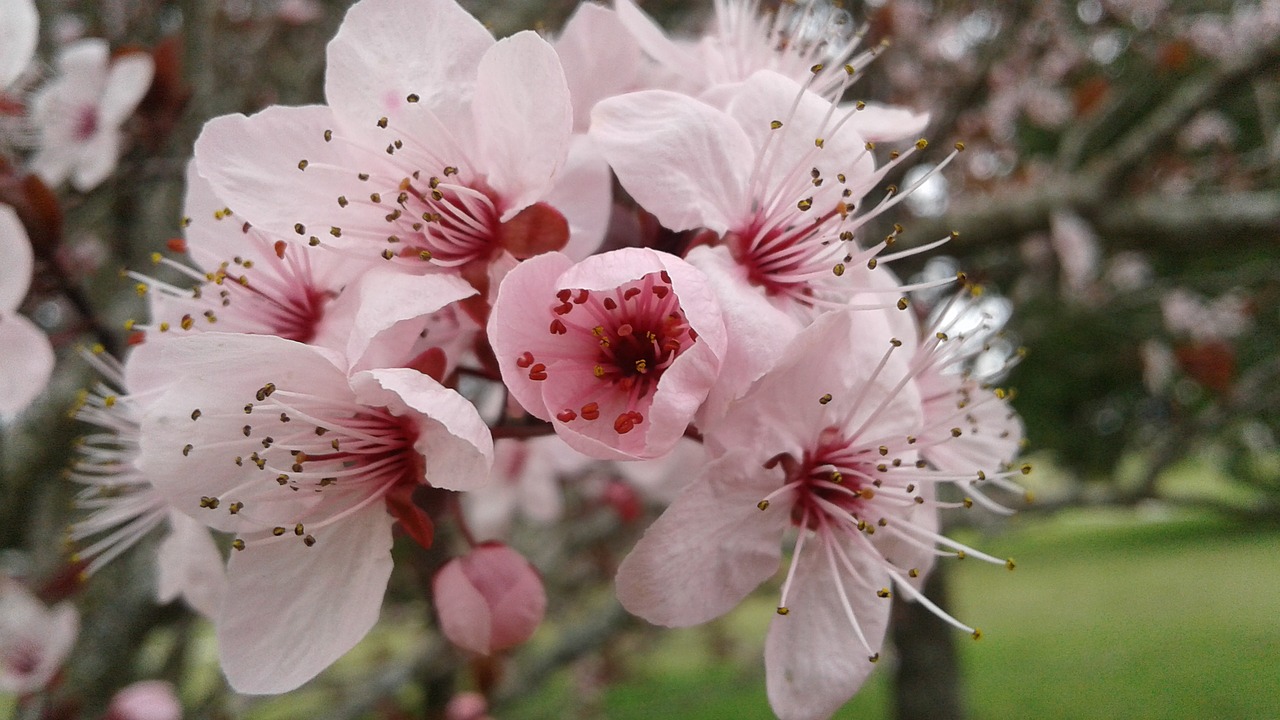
(813, 659)
(682, 160)
(128, 80)
(886, 123)
(710, 549)
(594, 30)
(584, 194)
(386, 50)
(26, 364)
(292, 610)
(19, 261)
(189, 565)
(454, 441)
(520, 321)
(18, 37)
(489, 600)
(523, 119)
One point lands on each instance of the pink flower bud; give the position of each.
(489, 600)
(146, 700)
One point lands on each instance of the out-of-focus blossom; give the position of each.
(271, 440)
(1078, 251)
(1188, 314)
(526, 481)
(617, 351)
(26, 357)
(34, 639)
(79, 113)
(19, 31)
(467, 706)
(145, 700)
(489, 600)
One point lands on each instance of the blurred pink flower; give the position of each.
(19, 32)
(617, 351)
(489, 600)
(79, 113)
(26, 357)
(271, 440)
(34, 639)
(145, 700)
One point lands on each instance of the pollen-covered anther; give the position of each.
(883, 593)
(763, 505)
(783, 610)
(826, 398)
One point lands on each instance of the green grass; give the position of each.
(1107, 616)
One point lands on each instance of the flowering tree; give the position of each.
(456, 332)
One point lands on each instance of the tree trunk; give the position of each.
(926, 680)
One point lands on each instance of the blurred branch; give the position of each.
(580, 639)
(431, 661)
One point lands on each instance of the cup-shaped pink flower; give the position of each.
(617, 351)
(489, 600)
(271, 440)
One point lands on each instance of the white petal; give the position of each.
(26, 364)
(292, 610)
(684, 161)
(96, 160)
(814, 661)
(583, 193)
(18, 36)
(386, 50)
(523, 119)
(885, 123)
(127, 82)
(19, 261)
(188, 565)
(591, 32)
(710, 549)
(454, 441)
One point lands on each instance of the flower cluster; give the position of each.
(378, 287)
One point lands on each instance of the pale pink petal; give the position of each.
(682, 160)
(655, 43)
(96, 160)
(583, 193)
(814, 661)
(292, 610)
(519, 324)
(26, 364)
(18, 36)
(454, 441)
(886, 123)
(378, 319)
(489, 600)
(590, 33)
(42, 637)
(252, 164)
(189, 565)
(146, 700)
(464, 615)
(127, 82)
(523, 119)
(387, 50)
(19, 261)
(710, 549)
(757, 330)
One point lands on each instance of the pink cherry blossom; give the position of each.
(590, 33)
(19, 32)
(34, 640)
(525, 483)
(79, 113)
(617, 351)
(446, 151)
(146, 700)
(272, 441)
(26, 357)
(252, 281)
(823, 444)
(489, 600)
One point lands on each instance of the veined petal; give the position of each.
(686, 162)
(523, 119)
(710, 549)
(387, 50)
(455, 443)
(813, 660)
(292, 610)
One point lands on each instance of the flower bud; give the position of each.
(489, 600)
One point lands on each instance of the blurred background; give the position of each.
(1120, 187)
